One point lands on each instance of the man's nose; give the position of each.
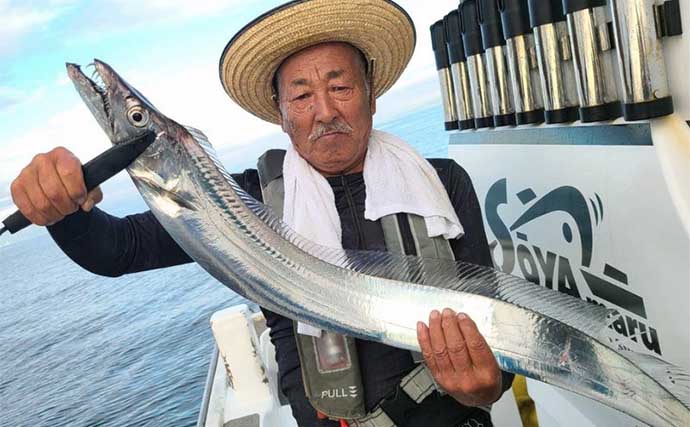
(325, 110)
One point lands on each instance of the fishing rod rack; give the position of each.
(529, 62)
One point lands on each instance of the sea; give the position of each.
(82, 350)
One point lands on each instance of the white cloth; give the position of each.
(397, 180)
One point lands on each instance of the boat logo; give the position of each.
(567, 267)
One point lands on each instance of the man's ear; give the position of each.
(372, 103)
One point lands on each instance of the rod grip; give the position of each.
(16, 222)
(96, 171)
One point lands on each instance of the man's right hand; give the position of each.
(52, 187)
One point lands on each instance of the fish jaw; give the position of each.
(125, 114)
(94, 97)
(121, 111)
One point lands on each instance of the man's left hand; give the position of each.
(459, 358)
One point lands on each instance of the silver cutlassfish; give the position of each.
(377, 296)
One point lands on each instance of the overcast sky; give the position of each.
(168, 49)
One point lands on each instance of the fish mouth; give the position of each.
(94, 91)
(100, 86)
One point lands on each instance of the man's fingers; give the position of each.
(457, 348)
(54, 190)
(69, 169)
(94, 197)
(438, 343)
(39, 200)
(22, 201)
(479, 351)
(50, 187)
(88, 205)
(425, 345)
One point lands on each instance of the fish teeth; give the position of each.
(96, 78)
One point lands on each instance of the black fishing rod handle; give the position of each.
(96, 171)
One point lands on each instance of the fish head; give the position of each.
(119, 108)
(125, 114)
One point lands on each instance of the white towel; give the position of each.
(397, 180)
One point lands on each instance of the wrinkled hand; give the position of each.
(459, 358)
(52, 187)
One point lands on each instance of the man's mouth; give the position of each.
(326, 134)
(332, 133)
(330, 129)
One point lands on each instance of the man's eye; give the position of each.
(301, 97)
(340, 88)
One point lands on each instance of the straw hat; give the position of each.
(381, 29)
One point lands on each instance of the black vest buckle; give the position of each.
(398, 406)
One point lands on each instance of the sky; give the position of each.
(169, 50)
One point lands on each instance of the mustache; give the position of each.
(322, 129)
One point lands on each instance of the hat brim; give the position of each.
(381, 29)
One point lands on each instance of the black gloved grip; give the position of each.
(97, 171)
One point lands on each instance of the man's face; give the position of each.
(325, 107)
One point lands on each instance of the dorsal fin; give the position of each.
(446, 274)
(589, 318)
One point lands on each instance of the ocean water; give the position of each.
(81, 350)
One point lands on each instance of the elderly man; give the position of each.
(316, 67)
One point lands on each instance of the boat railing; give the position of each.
(208, 388)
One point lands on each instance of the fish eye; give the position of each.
(138, 116)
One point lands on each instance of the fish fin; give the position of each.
(588, 318)
(454, 275)
(201, 138)
(446, 274)
(674, 379)
(181, 200)
(199, 135)
(488, 282)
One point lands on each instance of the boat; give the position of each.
(581, 208)
(242, 381)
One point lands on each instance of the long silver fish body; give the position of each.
(376, 296)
